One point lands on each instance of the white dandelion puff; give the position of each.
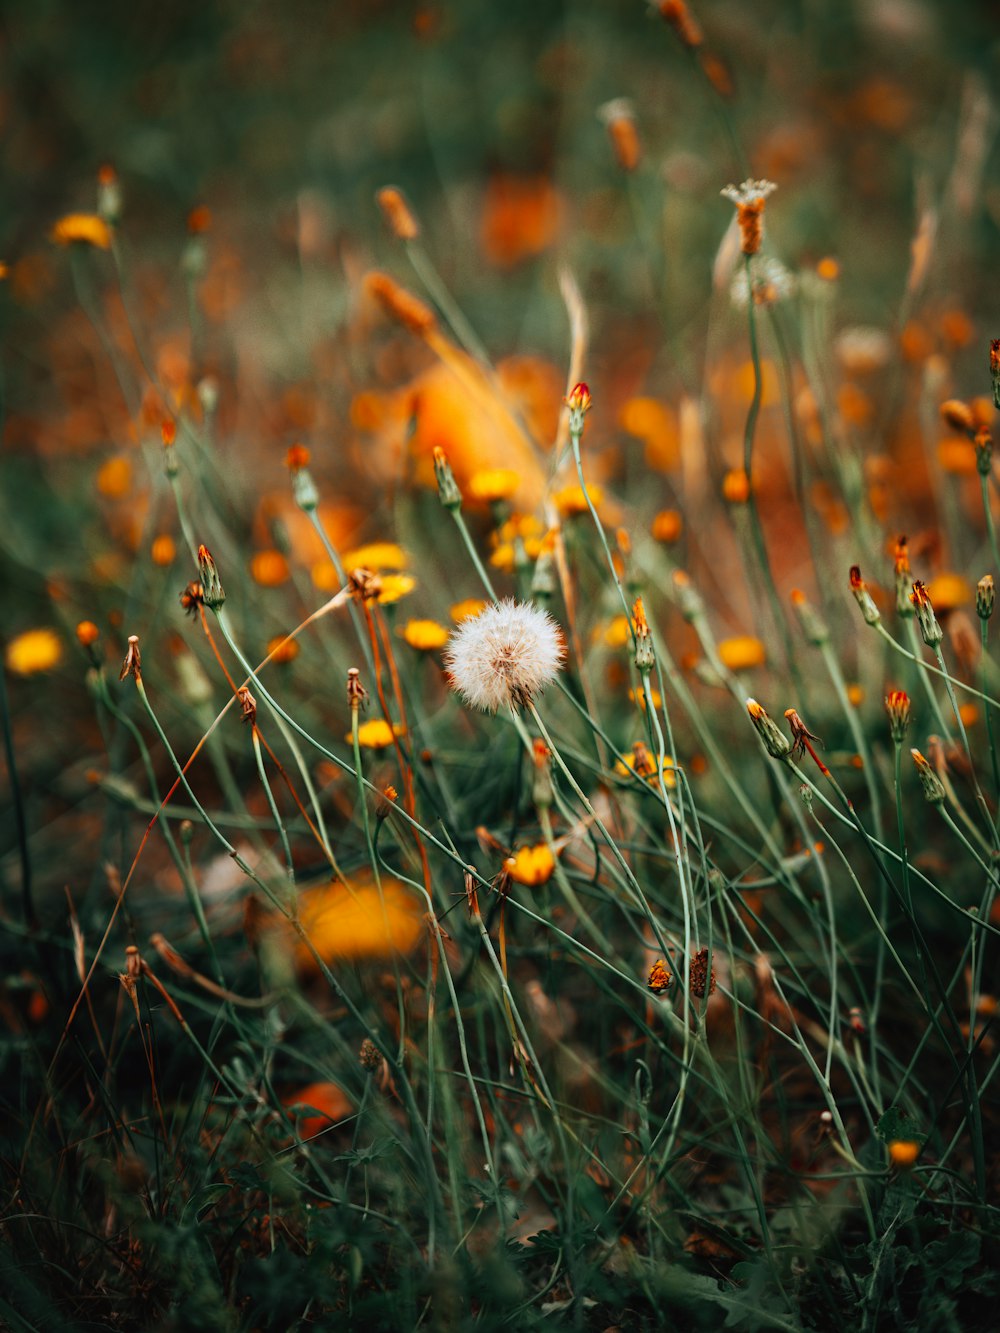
(505, 655)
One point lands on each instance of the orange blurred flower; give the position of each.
(356, 921)
(522, 217)
(87, 228)
(329, 1099)
(269, 569)
(376, 734)
(466, 609)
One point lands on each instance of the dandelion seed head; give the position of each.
(505, 655)
(749, 192)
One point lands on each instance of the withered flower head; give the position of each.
(192, 597)
(701, 978)
(248, 706)
(995, 369)
(132, 666)
(356, 692)
(365, 585)
(660, 977)
(368, 1055)
(801, 735)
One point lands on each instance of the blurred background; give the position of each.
(248, 141)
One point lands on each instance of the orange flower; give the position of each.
(903, 1152)
(329, 1099)
(641, 762)
(653, 422)
(531, 865)
(667, 526)
(282, 649)
(736, 487)
(397, 213)
(742, 653)
(163, 550)
(87, 228)
(114, 478)
(424, 635)
(522, 217)
(269, 569)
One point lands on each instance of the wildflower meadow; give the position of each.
(500, 819)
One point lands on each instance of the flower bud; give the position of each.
(897, 705)
(448, 492)
(212, 592)
(644, 655)
(863, 597)
(927, 620)
(983, 442)
(304, 490)
(986, 597)
(579, 404)
(933, 786)
(995, 369)
(958, 415)
(775, 742)
(903, 579)
(813, 626)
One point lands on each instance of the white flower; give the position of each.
(771, 282)
(749, 192)
(505, 655)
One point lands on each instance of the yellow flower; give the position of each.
(377, 556)
(467, 610)
(742, 653)
(948, 591)
(424, 635)
(616, 634)
(498, 483)
(639, 696)
(571, 499)
(641, 762)
(376, 734)
(395, 586)
(903, 1152)
(531, 865)
(358, 920)
(33, 651)
(269, 569)
(86, 227)
(518, 525)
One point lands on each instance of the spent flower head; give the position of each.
(749, 200)
(986, 597)
(505, 655)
